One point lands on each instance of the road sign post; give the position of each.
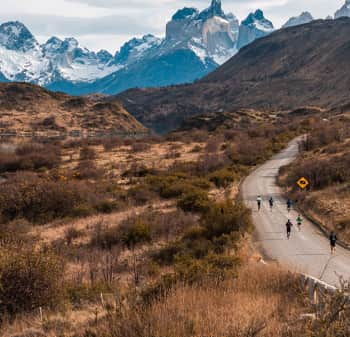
(303, 183)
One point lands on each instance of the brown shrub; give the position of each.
(268, 298)
(87, 153)
(29, 280)
(140, 147)
(87, 169)
(39, 199)
(111, 143)
(213, 144)
(31, 156)
(141, 194)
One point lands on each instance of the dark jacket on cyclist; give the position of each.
(289, 203)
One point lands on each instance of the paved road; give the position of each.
(307, 251)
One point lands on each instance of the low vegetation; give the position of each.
(109, 233)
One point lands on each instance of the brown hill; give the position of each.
(25, 108)
(300, 66)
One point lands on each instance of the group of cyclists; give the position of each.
(299, 221)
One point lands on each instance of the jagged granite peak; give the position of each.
(215, 9)
(136, 48)
(185, 13)
(258, 18)
(253, 27)
(234, 23)
(210, 34)
(104, 56)
(344, 11)
(14, 35)
(302, 19)
(55, 46)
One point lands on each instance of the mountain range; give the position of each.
(296, 67)
(196, 43)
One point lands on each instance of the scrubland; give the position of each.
(128, 237)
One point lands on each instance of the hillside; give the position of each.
(299, 66)
(25, 108)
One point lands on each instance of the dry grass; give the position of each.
(260, 302)
(57, 229)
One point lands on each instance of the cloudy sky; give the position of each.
(108, 23)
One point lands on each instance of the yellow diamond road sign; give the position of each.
(303, 183)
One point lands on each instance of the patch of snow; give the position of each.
(199, 51)
(79, 72)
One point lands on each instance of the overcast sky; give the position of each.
(108, 24)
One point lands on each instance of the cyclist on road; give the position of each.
(289, 228)
(289, 205)
(299, 222)
(271, 202)
(259, 201)
(333, 241)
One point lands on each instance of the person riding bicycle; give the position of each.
(271, 202)
(299, 221)
(289, 228)
(333, 241)
(259, 201)
(289, 205)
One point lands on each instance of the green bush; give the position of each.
(135, 234)
(141, 194)
(213, 267)
(223, 178)
(226, 218)
(166, 256)
(176, 184)
(107, 206)
(194, 201)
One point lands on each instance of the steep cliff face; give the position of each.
(210, 34)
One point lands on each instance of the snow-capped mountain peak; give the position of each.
(253, 27)
(136, 48)
(303, 18)
(258, 21)
(196, 42)
(14, 35)
(185, 13)
(344, 11)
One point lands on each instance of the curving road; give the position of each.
(307, 251)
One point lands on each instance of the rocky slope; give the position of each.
(25, 108)
(272, 73)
